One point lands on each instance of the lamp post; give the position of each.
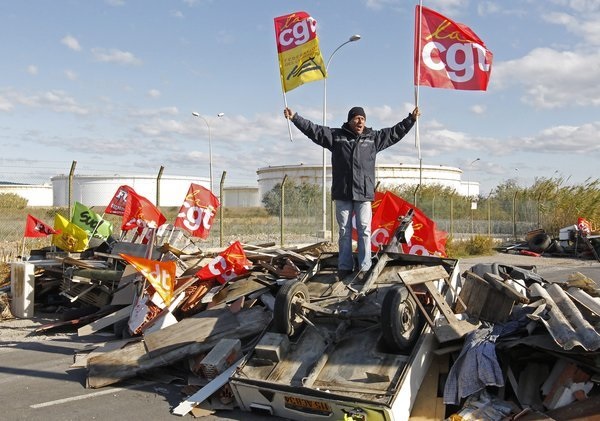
(210, 165)
(324, 207)
(469, 192)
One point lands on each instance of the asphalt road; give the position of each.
(37, 381)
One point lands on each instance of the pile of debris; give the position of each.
(516, 345)
(572, 242)
(535, 355)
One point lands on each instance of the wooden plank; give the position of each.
(422, 275)
(191, 329)
(81, 358)
(429, 404)
(133, 359)
(499, 283)
(108, 320)
(473, 294)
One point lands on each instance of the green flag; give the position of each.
(91, 222)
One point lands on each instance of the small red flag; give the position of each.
(36, 228)
(119, 200)
(229, 264)
(198, 211)
(140, 212)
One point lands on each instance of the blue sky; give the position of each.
(112, 84)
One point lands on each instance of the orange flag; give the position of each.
(161, 275)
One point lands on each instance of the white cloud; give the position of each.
(478, 109)
(114, 55)
(579, 140)
(56, 100)
(154, 93)
(71, 75)
(5, 105)
(177, 14)
(585, 26)
(32, 69)
(154, 112)
(71, 42)
(549, 85)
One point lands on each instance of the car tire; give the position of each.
(288, 307)
(401, 320)
(539, 242)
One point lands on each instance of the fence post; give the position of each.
(158, 177)
(452, 216)
(489, 206)
(281, 208)
(514, 215)
(71, 174)
(221, 208)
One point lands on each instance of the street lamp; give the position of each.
(210, 165)
(353, 38)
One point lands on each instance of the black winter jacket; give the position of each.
(353, 156)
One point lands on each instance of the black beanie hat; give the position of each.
(354, 111)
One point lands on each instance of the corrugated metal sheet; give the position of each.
(563, 319)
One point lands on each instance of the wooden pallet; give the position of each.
(453, 328)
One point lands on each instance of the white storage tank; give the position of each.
(241, 197)
(386, 174)
(95, 190)
(35, 194)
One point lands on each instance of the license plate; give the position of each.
(307, 405)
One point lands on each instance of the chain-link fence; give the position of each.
(292, 226)
(292, 214)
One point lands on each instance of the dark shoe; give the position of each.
(341, 274)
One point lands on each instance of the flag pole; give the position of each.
(289, 124)
(417, 85)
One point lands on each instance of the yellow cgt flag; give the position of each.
(71, 237)
(300, 59)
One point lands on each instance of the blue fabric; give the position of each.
(344, 210)
(476, 367)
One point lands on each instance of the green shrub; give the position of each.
(478, 245)
(12, 201)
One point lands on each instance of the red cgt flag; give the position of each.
(36, 228)
(449, 54)
(232, 262)
(197, 213)
(140, 212)
(426, 240)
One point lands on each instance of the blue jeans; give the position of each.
(344, 210)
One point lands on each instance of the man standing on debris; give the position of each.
(353, 149)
